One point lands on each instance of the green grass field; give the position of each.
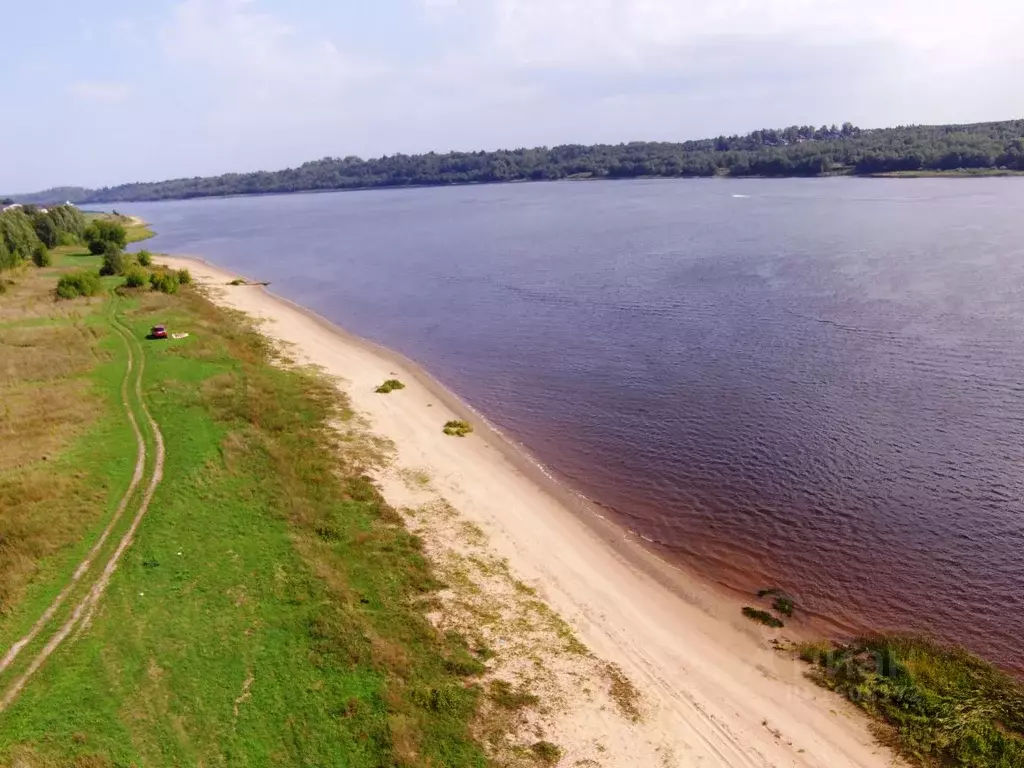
(271, 610)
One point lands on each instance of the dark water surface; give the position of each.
(812, 383)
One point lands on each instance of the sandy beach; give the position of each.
(712, 689)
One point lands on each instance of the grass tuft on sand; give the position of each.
(458, 428)
(762, 617)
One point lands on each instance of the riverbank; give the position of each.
(710, 684)
(194, 558)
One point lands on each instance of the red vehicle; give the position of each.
(158, 332)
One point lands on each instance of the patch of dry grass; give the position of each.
(49, 358)
(41, 511)
(414, 478)
(37, 421)
(29, 297)
(623, 692)
(46, 352)
(537, 669)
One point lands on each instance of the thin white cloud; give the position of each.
(649, 34)
(232, 40)
(100, 92)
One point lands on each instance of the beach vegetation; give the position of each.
(320, 653)
(623, 692)
(135, 278)
(505, 696)
(458, 428)
(80, 283)
(784, 605)
(936, 705)
(164, 282)
(184, 277)
(113, 259)
(144, 258)
(762, 617)
(546, 753)
(390, 386)
(41, 256)
(237, 281)
(100, 232)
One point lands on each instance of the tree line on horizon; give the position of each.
(792, 151)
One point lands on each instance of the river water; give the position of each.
(817, 384)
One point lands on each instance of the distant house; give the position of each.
(12, 206)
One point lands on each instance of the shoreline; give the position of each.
(684, 582)
(992, 173)
(711, 677)
(699, 588)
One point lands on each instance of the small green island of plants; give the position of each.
(762, 617)
(782, 603)
(458, 428)
(389, 386)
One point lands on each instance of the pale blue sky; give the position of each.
(114, 91)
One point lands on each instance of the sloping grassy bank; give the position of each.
(271, 610)
(937, 706)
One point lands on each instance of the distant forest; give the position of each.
(793, 151)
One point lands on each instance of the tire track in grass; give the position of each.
(86, 564)
(86, 607)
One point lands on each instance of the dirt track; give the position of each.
(85, 608)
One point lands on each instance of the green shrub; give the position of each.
(41, 256)
(546, 752)
(113, 260)
(145, 258)
(389, 386)
(184, 277)
(945, 706)
(165, 282)
(135, 278)
(458, 428)
(82, 283)
(237, 281)
(101, 232)
(763, 617)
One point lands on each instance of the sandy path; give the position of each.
(85, 608)
(715, 693)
